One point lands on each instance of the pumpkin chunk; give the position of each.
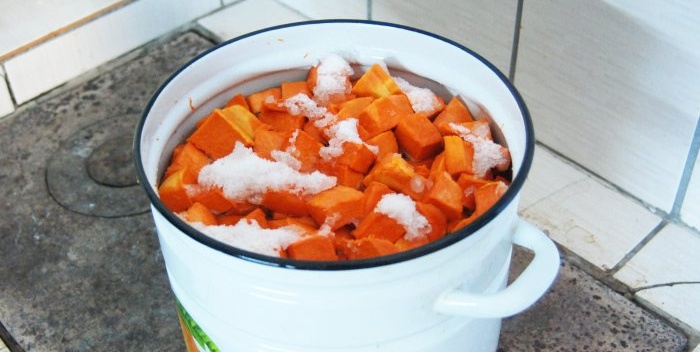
(375, 82)
(336, 206)
(218, 135)
(314, 247)
(418, 137)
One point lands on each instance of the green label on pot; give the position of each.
(193, 333)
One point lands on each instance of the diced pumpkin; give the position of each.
(212, 198)
(479, 128)
(379, 116)
(371, 247)
(199, 213)
(418, 137)
(353, 107)
(487, 195)
(375, 82)
(336, 206)
(344, 174)
(282, 121)
(258, 99)
(313, 247)
(290, 89)
(266, 141)
(459, 155)
(173, 190)
(373, 194)
(305, 149)
(315, 132)
(356, 156)
(469, 184)
(437, 166)
(238, 99)
(401, 104)
(379, 225)
(402, 244)
(395, 172)
(386, 144)
(454, 112)
(258, 215)
(436, 218)
(284, 202)
(312, 77)
(228, 219)
(446, 195)
(187, 156)
(218, 135)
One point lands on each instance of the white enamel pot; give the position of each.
(449, 295)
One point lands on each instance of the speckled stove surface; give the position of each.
(80, 268)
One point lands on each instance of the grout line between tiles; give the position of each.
(620, 264)
(687, 172)
(9, 87)
(516, 40)
(8, 340)
(369, 10)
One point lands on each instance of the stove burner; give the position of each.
(92, 172)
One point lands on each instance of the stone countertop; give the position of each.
(81, 269)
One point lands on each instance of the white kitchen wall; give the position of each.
(59, 59)
(613, 92)
(485, 26)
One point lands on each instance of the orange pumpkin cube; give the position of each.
(201, 214)
(379, 116)
(284, 202)
(375, 82)
(371, 247)
(454, 112)
(173, 190)
(336, 206)
(418, 137)
(459, 155)
(217, 136)
(187, 156)
(386, 144)
(213, 198)
(257, 100)
(379, 225)
(446, 195)
(314, 247)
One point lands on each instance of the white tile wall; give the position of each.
(40, 18)
(612, 92)
(671, 256)
(690, 212)
(60, 59)
(485, 26)
(581, 213)
(246, 16)
(325, 9)
(6, 106)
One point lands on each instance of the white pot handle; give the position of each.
(522, 293)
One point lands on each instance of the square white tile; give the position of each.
(67, 56)
(25, 22)
(690, 212)
(670, 257)
(612, 91)
(484, 26)
(581, 213)
(247, 16)
(325, 9)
